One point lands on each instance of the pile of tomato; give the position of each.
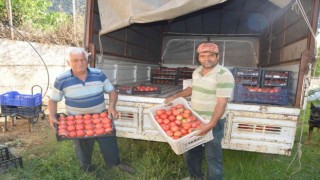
(87, 125)
(177, 121)
(146, 88)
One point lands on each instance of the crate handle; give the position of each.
(36, 86)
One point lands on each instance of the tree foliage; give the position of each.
(34, 13)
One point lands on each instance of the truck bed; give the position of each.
(166, 91)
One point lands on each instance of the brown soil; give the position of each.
(19, 138)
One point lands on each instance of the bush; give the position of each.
(39, 24)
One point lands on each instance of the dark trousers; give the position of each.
(108, 148)
(213, 155)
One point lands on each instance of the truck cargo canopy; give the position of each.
(115, 15)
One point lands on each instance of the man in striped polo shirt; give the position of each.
(83, 89)
(212, 87)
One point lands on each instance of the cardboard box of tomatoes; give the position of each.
(83, 126)
(178, 123)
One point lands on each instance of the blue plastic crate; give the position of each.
(242, 94)
(14, 98)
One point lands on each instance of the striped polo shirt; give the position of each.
(219, 82)
(82, 97)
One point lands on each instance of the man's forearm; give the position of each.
(113, 98)
(184, 93)
(52, 108)
(218, 111)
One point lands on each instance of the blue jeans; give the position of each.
(213, 154)
(108, 148)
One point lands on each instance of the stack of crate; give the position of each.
(164, 75)
(247, 76)
(184, 73)
(261, 86)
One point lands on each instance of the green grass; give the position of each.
(155, 160)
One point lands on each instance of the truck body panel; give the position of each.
(250, 33)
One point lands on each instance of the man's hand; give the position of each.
(204, 129)
(169, 99)
(53, 121)
(113, 112)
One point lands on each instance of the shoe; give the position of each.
(125, 168)
(89, 168)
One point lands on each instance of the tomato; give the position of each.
(62, 122)
(181, 110)
(175, 112)
(62, 126)
(177, 134)
(99, 126)
(173, 108)
(174, 128)
(62, 118)
(184, 131)
(103, 114)
(79, 121)
(193, 118)
(189, 119)
(107, 125)
(271, 91)
(79, 127)
(71, 128)
(178, 122)
(187, 111)
(159, 121)
(108, 130)
(72, 134)
(178, 106)
(87, 116)
(100, 131)
(80, 133)
(168, 112)
(69, 123)
(169, 133)
(179, 117)
(165, 127)
(95, 116)
(194, 125)
(89, 126)
(106, 120)
(191, 130)
(63, 132)
(89, 132)
(186, 115)
(159, 112)
(186, 125)
(70, 118)
(163, 116)
(96, 120)
(87, 121)
(172, 123)
(166, 121)
(172, 118)
(79, 116)
(175, 138)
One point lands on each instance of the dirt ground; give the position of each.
(18, 138)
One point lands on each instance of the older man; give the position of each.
(212, 86)
(83, 89)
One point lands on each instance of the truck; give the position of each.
(129, 41)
